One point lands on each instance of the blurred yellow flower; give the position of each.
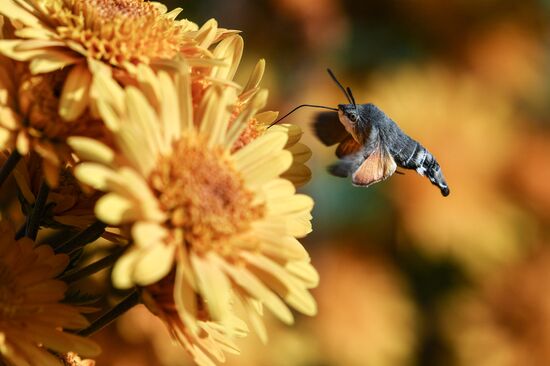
(507, 321)
(378, 324)
(227, 220)
(32, 316)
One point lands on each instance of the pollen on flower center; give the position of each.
(204, 195)
(118, 31)
(108, 9)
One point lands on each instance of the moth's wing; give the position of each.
(379, 165)
(347, 147)
(347, 165)
(328, 128)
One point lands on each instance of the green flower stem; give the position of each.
(33, 223)
(8, 166)
(84, 237)
(92, 268)
(129, 302)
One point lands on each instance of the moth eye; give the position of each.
(353, 117)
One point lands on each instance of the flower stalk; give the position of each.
(122, 307)
(33, 222)
(84, 237)
(8, 166)
(80, 273)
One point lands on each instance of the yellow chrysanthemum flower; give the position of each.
(29, 120)
(32, 317)
(226, 220)
(63, 34)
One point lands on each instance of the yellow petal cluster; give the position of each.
(213, 226)
(32, 315)
(143, 110)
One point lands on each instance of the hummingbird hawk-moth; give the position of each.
(370, 144)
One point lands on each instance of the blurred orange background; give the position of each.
(407, 277)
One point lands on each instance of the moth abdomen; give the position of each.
(409, 154)
(426, 165)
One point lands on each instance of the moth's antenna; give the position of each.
(340, 85)
(351, 95)
(301, 106)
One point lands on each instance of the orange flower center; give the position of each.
(204, 195)
(252, 131)
(118, 31)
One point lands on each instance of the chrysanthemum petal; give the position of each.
(261, 148)
(34, 353)
(305, 271)
(75, 95)
(300, 226)
(46, 291)
(266, 118)
(230, 50)
(184, 293)
(207, 33)
(271, 168)
(123, 269)
(250, 283)
(170, 112)
(285, 248)
(256, 76)
(155, 263)
(293, 132)
(282, 282)
(12, 10)
(213, 285)
(89, 149)
(98, 176)
(105, 88)
(183, 86)
(215, 112)
(254, 315)
(35, 33)
(115, 209)
(148, 234)
(301, 152)
(292, 204)
(61, 341)
(144, 121)
(136, 187)
(298, 174)
(51, 61)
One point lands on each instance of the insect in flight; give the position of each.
(370, 144)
